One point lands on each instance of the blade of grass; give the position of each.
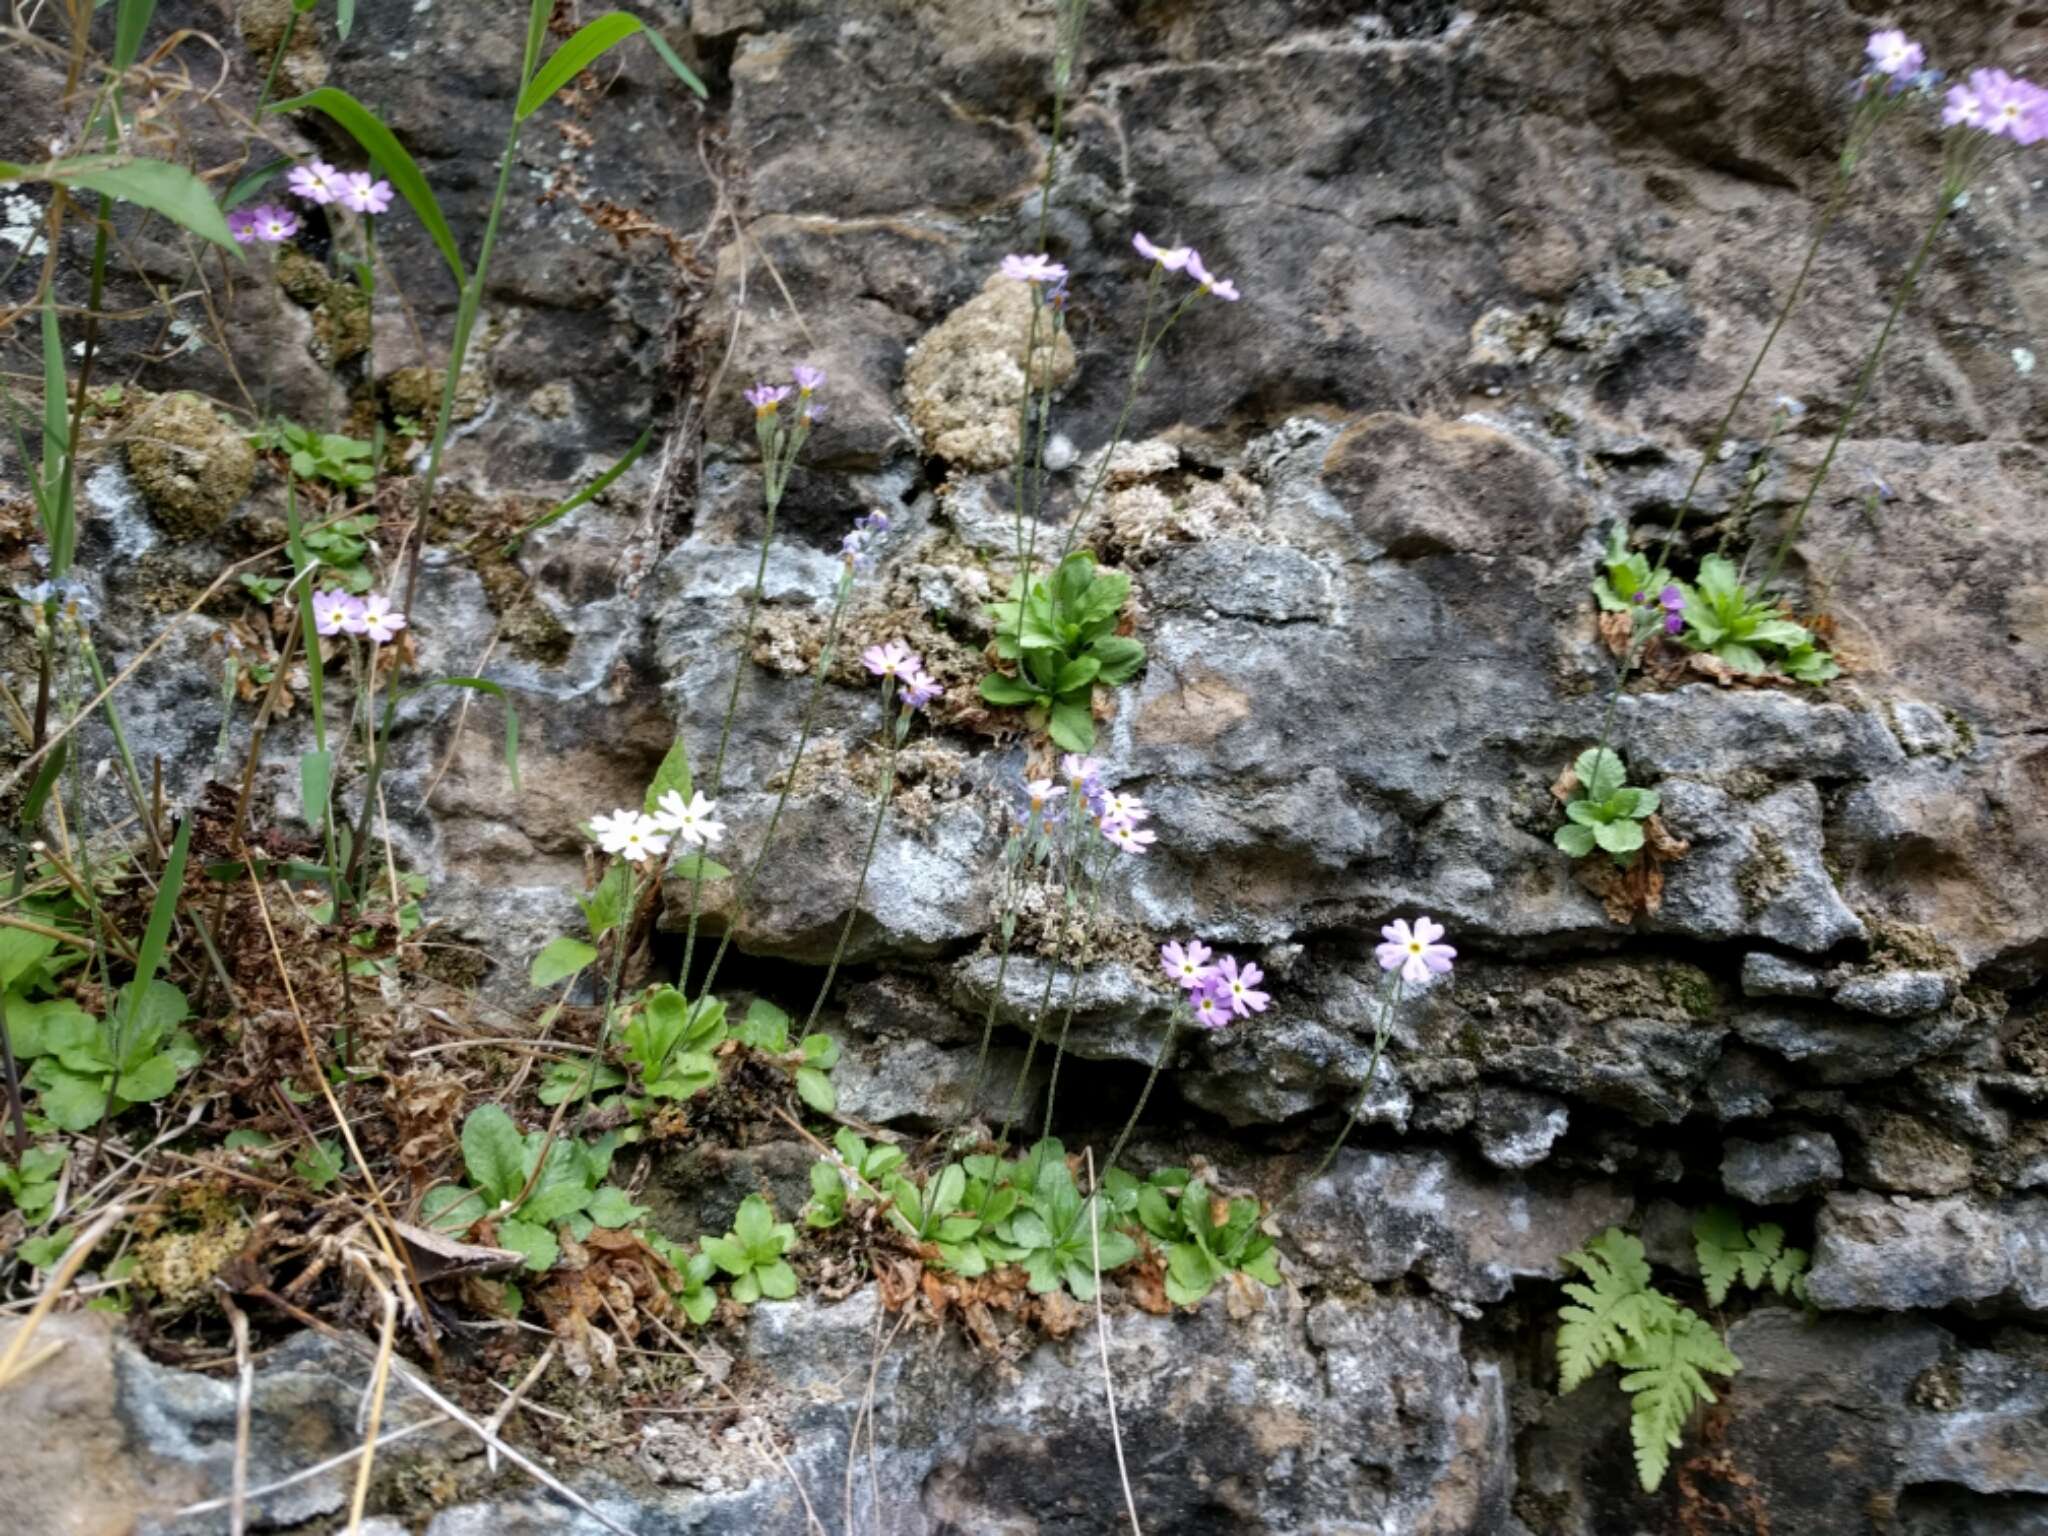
(582, 50)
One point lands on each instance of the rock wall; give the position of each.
(1502, 269)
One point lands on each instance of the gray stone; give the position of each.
(1378, 1216)
(888, 1082)
(1781, 1171)
(1767, 975)
(1701, 732)
(1755, 870)
(1744, 1085)
(1516, 1129)
(1896, 994)
(1903, 1154)
(1893, 1254)
(1843, 1048)
(1922, 728)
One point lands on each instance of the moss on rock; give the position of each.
(416, 392)
(192, 466)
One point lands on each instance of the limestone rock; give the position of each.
(1781, 1171)
(1894, 1254)
(191, 464)
(964, 381)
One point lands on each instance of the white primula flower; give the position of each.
(629, 834)
(691, 823)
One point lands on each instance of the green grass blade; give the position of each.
(589, 492)
(379, 143)
(583, 49)
(309, 633)
(253, 183)
(344, 18)
(129, 26)
(57, 522)
(159, 186)
(45, 781)
(158, 934)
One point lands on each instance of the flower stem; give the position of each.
(1379, 1045)
(1836, 196)
(1944, 206)
(1066, 1019)
(732, 702)
(803, 738)
(1139, 363)
(1053, 969)
(893, 731)
(1144, 1093)
(624, 933)
(1007, 923)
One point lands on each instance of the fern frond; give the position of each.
(1611, 1310)
(1718, 1243)
(1664, 1375)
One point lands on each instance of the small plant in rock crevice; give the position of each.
(1664, 1350)
(1603, 811)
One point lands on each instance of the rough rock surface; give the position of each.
(1502, 267)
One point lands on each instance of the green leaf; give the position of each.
(692, 865)
(494, 1152)
(1608, 1312)
(1664, 1378)
(536, 1242)
(821, 1051)
(589, 493)
(72, 1102)
(754, 1225)
(1623, 836)
(20, 952)
(130, 22)
(315, 771)
(1718, 579)
(378, 142)
(574, 1080)
(997, 688)
(1635, 802)
(1719, 1244)
(765, 1028)
(320, 1164)
(1779, 632)
(673, 774)
(816, 1090)
(611, 1207)
(1072, 725)
(451, 1209)
(605, 907)
(1600, 772)
(148, 1081)
(1587, 813)
(777, 1280)
(577, 53)
(728, 1255)
(562, 958)
(1191, 1274)
(344, 18)
(1574, 840)
(1742, 658)
(1120, 657)
(1078, 673)
(149, 954)
(157, 185)
(45, 780)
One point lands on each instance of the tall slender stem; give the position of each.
(893, 730)
(1059, 1049)
(1144, 1093)
(1944, 206)
(1007, 925)
(1836, 197)
(803, 738)
(1379, 1046)
(1052, 971)
(732, 704)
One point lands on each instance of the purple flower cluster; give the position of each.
(337, 613)
(1118, 816)
(1672, 600)
(1034, 269)
(857, 548)
(1414, 951)
(265, 224)
(1995, 103)
(1216, 993)
(899, 661)
(319, 183)
(765, 398)
(1185, 258)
